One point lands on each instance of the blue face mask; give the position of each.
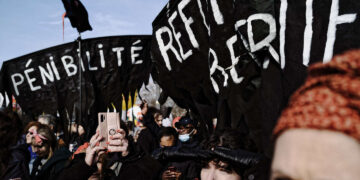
(185, 137)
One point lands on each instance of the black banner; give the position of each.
(48, 81)
(180, 52)
(251, 55)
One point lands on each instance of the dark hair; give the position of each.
(157, 114)
(153, 110)
(31, 124)
(231, 139)
(10, 131)
(168, 131)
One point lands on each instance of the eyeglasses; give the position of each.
(39, 146)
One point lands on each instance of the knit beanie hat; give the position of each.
(329, 99)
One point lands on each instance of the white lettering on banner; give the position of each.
(118, 51)
(54, 68)
(89, 60)
(187, 22)
(334, 20)
(282, 21)
(203, 16)
(268, 19)
(215, 67)
(1, 100)
(177, 37)
(238, 24)
(308, 33)
(164, 48)
(31, 80)
(17, 83)
(46, 74)
(7, 100)
(4, 98)
(28, 63)
(216, 12)
(134, 55)
(70, 65)
(80, 59)
(234, 60)
(102, 58)
(266, 63)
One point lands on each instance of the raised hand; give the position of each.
(94, 150)
(118, 143)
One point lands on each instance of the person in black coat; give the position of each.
(51, 160)
(119, 160)
(147, 140)
(178, 159)
(14, 158)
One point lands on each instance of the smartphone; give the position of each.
(109, 123)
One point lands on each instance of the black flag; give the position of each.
(77, 14)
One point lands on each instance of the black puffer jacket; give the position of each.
(52, 168)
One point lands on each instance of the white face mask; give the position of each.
(185, 137)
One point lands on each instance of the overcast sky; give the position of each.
(31, 25)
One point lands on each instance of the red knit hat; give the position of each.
(329, 99)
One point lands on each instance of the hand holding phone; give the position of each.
(172, 169)
(171, 174)
(109, 125)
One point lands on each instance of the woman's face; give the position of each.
(213, 172)
(30, 134)
(159, 118)
(309, 154)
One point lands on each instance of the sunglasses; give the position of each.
(38, 146)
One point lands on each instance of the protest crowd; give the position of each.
(254, 106)
(310, 136)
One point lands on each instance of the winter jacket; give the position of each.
(18, 163)
(52, 167)
(183, 157)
